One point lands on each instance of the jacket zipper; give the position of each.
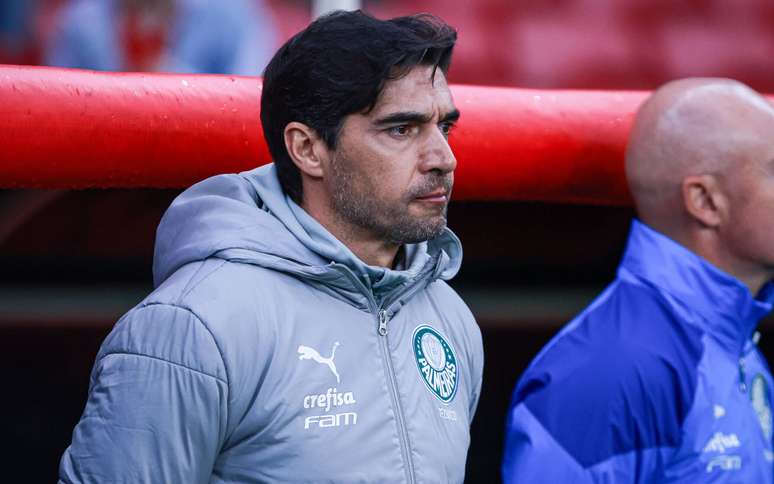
(382, 319)
(387, 358)
(742, 376)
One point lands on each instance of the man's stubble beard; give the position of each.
(357, 205)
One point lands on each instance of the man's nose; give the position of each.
(437, 154)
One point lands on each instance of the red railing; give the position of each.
(67, 128)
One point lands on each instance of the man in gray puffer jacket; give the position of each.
(301, 329)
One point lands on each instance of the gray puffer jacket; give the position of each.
(269, 353)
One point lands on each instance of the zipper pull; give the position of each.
(382, 322)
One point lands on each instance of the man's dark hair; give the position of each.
(337, 66)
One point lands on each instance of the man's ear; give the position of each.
(704, 200)
(307, 150)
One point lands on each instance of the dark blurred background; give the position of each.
(71, 262)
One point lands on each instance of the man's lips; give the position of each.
(437, 196)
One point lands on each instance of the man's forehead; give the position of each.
(420, 91)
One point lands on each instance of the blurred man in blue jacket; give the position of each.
(660, 380)
(193, 36)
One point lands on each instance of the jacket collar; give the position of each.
(727, 308)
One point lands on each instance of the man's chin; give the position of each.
(423, 230)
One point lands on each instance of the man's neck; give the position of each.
(364, 244)
(753, 278)
(751, 275)
(372, 252)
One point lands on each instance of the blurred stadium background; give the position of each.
(71, 262)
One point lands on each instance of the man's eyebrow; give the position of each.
(414, 117)
(403, 117)
(451, 116)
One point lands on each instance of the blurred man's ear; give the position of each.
(307, 150)
(704, 200)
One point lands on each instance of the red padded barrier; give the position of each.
(66, 128)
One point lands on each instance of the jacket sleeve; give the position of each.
(532, 455)
(156, 409)
(599, 418)
(478, 373)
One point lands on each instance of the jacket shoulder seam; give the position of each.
(590, 467)
(190, 285)
(203, 324)
(156, 358)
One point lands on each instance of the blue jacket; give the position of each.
(657, 381)
(206, 36)
(270, 353)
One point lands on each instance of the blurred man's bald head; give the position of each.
(691, 142)
(692, 127)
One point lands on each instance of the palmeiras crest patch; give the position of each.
(761, 403)
(436, 362)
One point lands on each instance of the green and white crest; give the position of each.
(760, 398)
(436, 362)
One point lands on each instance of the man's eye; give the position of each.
(446, 128)
(400, 131)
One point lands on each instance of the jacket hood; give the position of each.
(247, 218)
